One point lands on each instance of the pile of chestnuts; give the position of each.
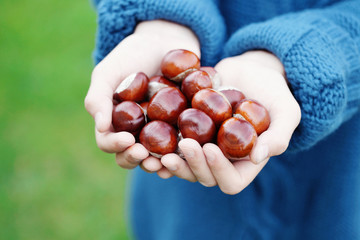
(187, 102)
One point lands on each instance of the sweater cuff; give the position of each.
(118, 18)
(311, 49)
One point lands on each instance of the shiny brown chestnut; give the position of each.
(158, 82)
(133, 88)
(128, 116)
(115, 100)
(194, 82)
(195, 124)
(166, 105)
(232, 94)
(214, 104)
(235, 138)
(144, 105)
(159, 138)
(214, 76)
(253, 112)
(176, 64)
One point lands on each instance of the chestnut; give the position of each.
(166, 105)
(159, 138)
(214, 104)
(195, 124)
(128, 116)
(194, 82)
(214, 76)
(236, 138)
(253, 112)
(232, 94)
(176, 64)
(144, 105)
(133, 88)
(115, 100)
(158, 82)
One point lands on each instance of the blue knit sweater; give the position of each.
(311, 191)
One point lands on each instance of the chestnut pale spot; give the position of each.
(133, 88)
(233, 95)
(161, 79)
(158, 82)
(144, 106)
(176, 62)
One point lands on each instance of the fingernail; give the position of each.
(98, 120)
(262, 154)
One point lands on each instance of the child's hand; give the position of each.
(260, 76)
(141, 51)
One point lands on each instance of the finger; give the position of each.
(151, 164)
(111, 142)
(164, 173)
(178, 167)
(232, 178)
(196, 160)
(132, 156)
(285, 117)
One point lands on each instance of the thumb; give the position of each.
(98, 103)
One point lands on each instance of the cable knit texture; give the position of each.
(320, 52)
(118, 18)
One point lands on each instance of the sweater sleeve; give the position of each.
(118, 18)
(320, 50)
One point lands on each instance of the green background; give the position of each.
(54, 182)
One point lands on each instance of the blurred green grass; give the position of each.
(54, 182)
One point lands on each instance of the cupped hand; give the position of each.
(140, 52)
(260, 76)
